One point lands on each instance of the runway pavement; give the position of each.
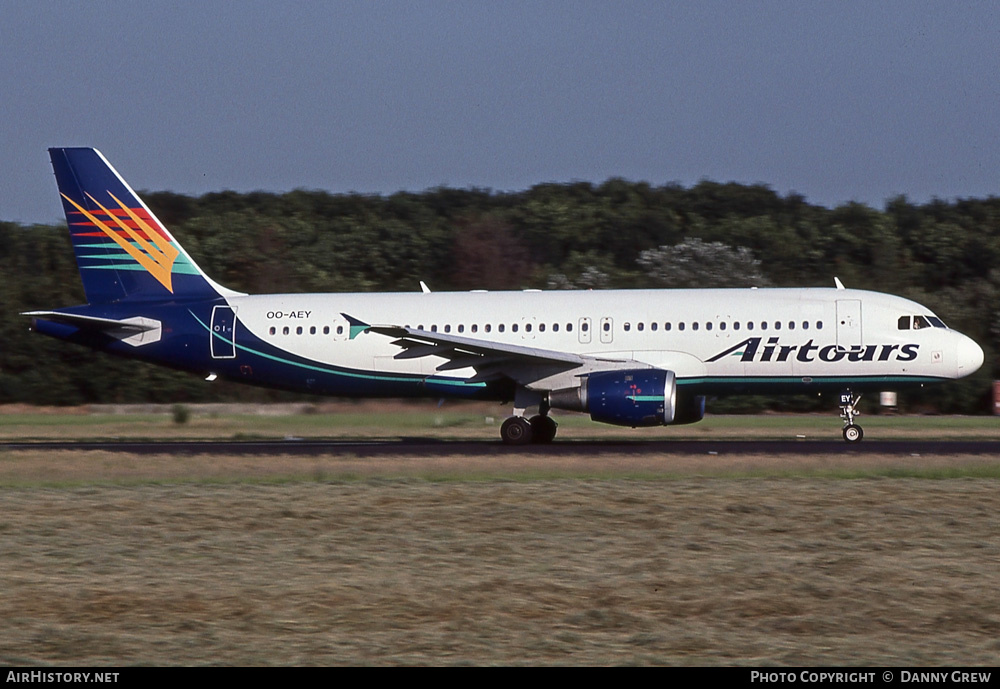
(425, 446)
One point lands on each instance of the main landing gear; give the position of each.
(517, 430)
(539, 429)
(848, 410)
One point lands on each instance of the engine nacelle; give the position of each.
(634, 397)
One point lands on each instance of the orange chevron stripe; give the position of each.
(157, 258)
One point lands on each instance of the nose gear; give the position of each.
(848, 410)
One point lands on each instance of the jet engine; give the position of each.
(633, 397)
(638, 397)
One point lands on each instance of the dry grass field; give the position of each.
(115, 559)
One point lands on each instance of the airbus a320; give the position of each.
(626, 357)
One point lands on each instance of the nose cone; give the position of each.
(969, 356)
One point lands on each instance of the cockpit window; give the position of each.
(919, 322)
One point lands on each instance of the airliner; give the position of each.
(627, 357)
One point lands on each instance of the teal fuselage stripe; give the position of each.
(338, 372)
(814, 380)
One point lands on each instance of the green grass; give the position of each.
(383, 421)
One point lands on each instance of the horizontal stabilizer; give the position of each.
(135, 331)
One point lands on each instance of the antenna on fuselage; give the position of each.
(838, 283)
(424, 288)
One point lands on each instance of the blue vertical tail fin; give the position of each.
(122, 250)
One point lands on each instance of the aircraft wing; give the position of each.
(528, 366)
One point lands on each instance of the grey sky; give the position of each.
(837, 101)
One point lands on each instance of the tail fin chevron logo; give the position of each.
(156, 255)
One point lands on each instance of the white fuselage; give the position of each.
(804, 335)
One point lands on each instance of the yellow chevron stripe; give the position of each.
(158, 260)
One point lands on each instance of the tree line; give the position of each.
(619, 234)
